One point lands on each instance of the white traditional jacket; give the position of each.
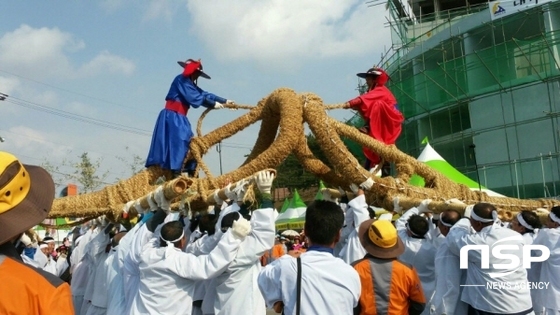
(237, 291)
(420, 253)
(476, 293)
(356, 214)
(167, 279)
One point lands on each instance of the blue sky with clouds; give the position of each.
(113, 60)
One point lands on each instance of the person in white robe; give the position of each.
(488, 231)
(29, 251)
(96, 253)
(168, 274)
(131, 270)
(328, 284)
(206, 228)
(347, 228)
(550, 268)
(449, 277)
(356, 214)
(419, 251)
(237, 290)
(528, 224)
(80, 269)
(206, 246)
(44, 259)
(116, 302)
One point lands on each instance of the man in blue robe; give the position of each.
(172, 133)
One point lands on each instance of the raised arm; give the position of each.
(207, 266)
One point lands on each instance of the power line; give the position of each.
(94, 121)
(58, 172)
(68, 91)
(76, 117)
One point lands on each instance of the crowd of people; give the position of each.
(232, 261)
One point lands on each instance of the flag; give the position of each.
(425, 140)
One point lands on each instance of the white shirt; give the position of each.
(550, 269)
(79, 249)
(99, 295)
(203, 246)
(420, 253)
(237, 291)
(81, 270)
(29, 261)
(131, 272)
(449, 278)
(45, 262)
(356, 214)
(167, 282)
(95, 252)
(116, 301)
(61, 265)
(346, 230)
(476, 294)
(207, 246)
(328, 284)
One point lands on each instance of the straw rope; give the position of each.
(282, 116)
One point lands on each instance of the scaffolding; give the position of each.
(462, 78)
(497, 55)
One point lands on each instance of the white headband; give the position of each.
(554, 218)
(523, 222)
(414, 234)
(48, 241)
(445, 223)
(43, 246)
(170, 245)
(475, 217)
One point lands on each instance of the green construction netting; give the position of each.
(501, 54)
(354, 148)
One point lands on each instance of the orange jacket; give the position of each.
(26, 290)
(278, 251)
(393, 289)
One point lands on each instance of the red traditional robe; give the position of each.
(379, 109)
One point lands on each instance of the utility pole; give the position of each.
(472, 146)
(219, 150)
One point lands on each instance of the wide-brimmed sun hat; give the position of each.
(26, 196)
(380, 239)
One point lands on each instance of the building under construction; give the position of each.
(482, 82)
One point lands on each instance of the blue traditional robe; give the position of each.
(172, 133)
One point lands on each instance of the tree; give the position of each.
(137, 163)
(85, 173)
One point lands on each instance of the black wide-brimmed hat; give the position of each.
(372, 72)
(191, 66)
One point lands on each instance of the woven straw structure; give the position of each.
(282, 115)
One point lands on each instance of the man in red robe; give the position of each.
(379, 109)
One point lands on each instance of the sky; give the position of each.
(91, 76)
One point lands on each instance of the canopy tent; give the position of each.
(285, 205)
(430, 157)
(319, 195)
(294, 216)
